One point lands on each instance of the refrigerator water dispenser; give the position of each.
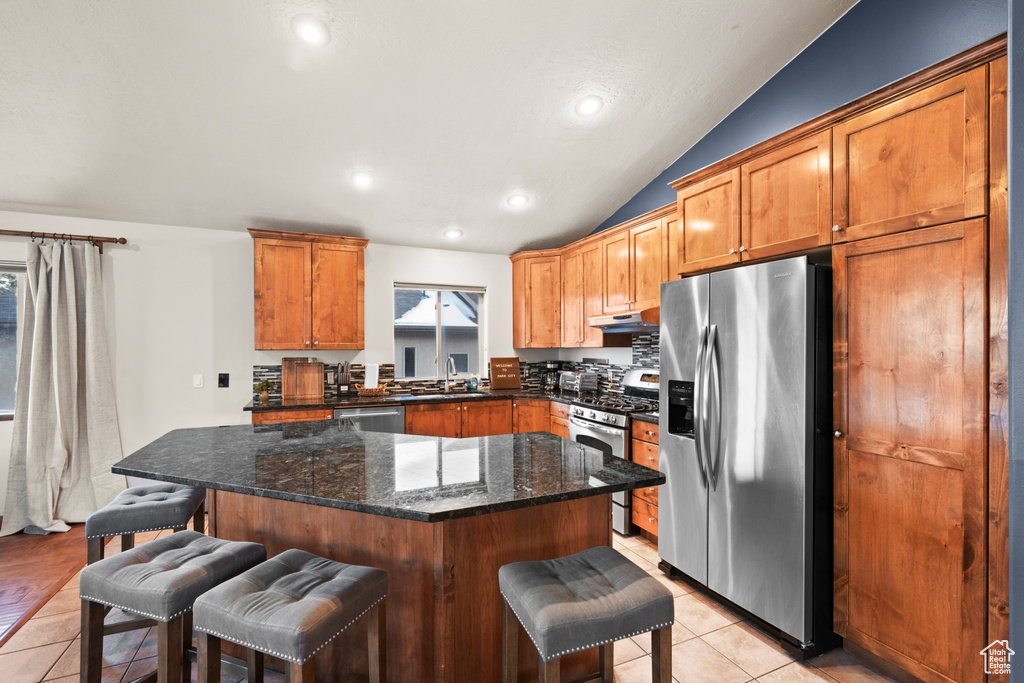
(680, 408)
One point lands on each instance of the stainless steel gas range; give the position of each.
(601, 421)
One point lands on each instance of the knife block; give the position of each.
(302, 378)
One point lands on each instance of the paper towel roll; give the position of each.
(372, 372)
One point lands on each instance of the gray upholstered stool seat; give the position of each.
(590, 599)
(290, 607)
(159, 580)
(151, 507)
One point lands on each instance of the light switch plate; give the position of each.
(197, 381)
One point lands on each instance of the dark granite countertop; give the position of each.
(356, 401)
(423, 478)
(644, 417)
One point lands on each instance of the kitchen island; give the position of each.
(439, 515)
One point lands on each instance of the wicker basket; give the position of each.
(378, 391)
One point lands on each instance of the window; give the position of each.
(433, 323)
(10, 280)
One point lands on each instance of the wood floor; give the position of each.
(32, 569)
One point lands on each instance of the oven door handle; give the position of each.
(597, 428)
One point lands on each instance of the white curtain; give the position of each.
(65, 422)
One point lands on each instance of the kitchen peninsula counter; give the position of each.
(439, 515)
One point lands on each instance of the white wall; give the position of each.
(180, 302)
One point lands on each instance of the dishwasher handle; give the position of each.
(352, 415)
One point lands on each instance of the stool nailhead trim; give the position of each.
(131, 610)
(582, 647)
(138, 531)
(284, 656)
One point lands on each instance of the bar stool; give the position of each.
(576, 602)
(159, 580)
(153, 507)
(290, 607)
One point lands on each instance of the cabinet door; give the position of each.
(486, 418)
(519, 322)
(916, 162)
(648, 264)
(337, 296)
(615, 250)
(910, 452)
(264, 416)
(443, 419)
(282, 295)
(559, 427)
(572, 299)
(531, 415)
(543, 302)
(787, 199)
(673, 245)
(710, 216)
(592, 292)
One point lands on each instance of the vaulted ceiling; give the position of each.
(215, 115)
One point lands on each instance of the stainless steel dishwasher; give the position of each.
(390, 419)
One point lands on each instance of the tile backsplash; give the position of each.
(645, 354)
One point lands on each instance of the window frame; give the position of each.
(481, 327)
(20, 270)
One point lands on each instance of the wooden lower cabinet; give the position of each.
(434, 419)
(559, 427)
(265, 416)
(486, 418)
(910, 451)
(644, 451)
(530, 415)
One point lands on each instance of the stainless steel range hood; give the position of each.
(633, 321)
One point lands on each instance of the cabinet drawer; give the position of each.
(645, 431)
(560, 410)
(645, 515)
(648, 493)
(264, 416)
(559, 427)
(645, 454)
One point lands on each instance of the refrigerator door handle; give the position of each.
(713, 412)
(698, 425)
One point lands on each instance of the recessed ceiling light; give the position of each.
(362, 179)
(589, 105)
(518, 199)
(310, 30)
(452, 233)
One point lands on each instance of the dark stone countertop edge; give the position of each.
(355, 401)
(644, 417)
(656, 479)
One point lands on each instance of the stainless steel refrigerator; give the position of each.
(745, 443)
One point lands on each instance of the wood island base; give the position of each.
(444, 607)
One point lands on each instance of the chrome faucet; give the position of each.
(449, 366)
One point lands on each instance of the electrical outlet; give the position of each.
(222, 380)
(197, 381)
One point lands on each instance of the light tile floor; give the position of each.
(710, 644)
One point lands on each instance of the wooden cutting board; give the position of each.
(302, 378)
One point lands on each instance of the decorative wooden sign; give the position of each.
(505, 373)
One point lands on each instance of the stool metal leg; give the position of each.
(377, 642)
(661, 655)
(94, 549)
(606, 654)
(253, 666)
(302, 673)
(169, 651)
(199, 519)
(509, 645)
(209, 658)
(550, 671)
(91, 663)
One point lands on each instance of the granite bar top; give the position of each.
(356, 401)
(423, 478)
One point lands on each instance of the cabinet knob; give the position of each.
(514, 405)
(649, 433)
(316, 343)
(651, 489)
(307, 342)
(836, 228)
(742, 249)
(650, 519)
(837, 433)
(732, 251)
(650, 458)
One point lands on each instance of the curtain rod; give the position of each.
(96, 241)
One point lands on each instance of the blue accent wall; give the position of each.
(875, 43)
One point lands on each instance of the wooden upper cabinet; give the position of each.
(536, 300)
(910, 392)
(648, 263)
(615, 258)
(308, 291)
(282, 293)
(338, 282)
(709, 224)
(915, 162)
(786, 199)
(572, 298)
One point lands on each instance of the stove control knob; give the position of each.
(592, 414)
